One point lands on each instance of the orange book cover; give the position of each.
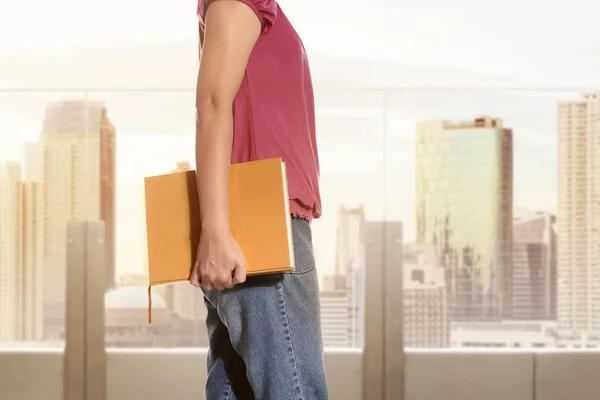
(259, 217)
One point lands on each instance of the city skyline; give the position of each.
(142, 154)
(380, 70)
(369, 202)
(69, 174)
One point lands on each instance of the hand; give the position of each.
(220, 263)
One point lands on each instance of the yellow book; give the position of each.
(259, 217)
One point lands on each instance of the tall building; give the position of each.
(464, 209)
(534, 266)
(578, 218)
(350, 239)
(350, 262)
(78, 142)
(21, 245)
(335, 313)
(384, 252)
(425, 311)
(362, 245)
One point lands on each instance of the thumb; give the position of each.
(195, 276)
(239, 273)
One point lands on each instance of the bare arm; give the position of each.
(232, 29)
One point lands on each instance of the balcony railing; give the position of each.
(445, 375)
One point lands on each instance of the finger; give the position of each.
(239, 273)
(195, 277)
(228, 282)
(223, 282)
(207, 280)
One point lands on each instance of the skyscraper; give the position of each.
(336, 321)
(21, 245)
(350, 266)
(78, 142)
(534, 266)
(425, 313)
(578, 217)
(464, 209)
(350, 239)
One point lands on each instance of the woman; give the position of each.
(255, 101)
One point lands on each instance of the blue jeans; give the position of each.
(265, 340)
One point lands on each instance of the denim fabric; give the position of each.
(265, 335)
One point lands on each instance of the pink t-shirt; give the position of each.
(274, 111)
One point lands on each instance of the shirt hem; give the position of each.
(301, 211)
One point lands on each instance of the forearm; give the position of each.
(214, 138)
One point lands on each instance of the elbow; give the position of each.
(210, 105)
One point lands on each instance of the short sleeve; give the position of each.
(266, 11)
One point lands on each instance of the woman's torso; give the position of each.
(274, 112)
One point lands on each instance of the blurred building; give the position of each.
(342, 294)
(534, 266)
(464, 178)
(133, 279)
(126, 316)
(78, 142)
(79, 173)
(182, 166)
(21, 246)
(578, 218)
(425, 311)
(183, 300)
(384, 250)
(504, 334)
(335, 313)
(350, 263)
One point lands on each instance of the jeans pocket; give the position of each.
(303, 250)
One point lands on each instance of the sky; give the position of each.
(540, 40)
(356, 49)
